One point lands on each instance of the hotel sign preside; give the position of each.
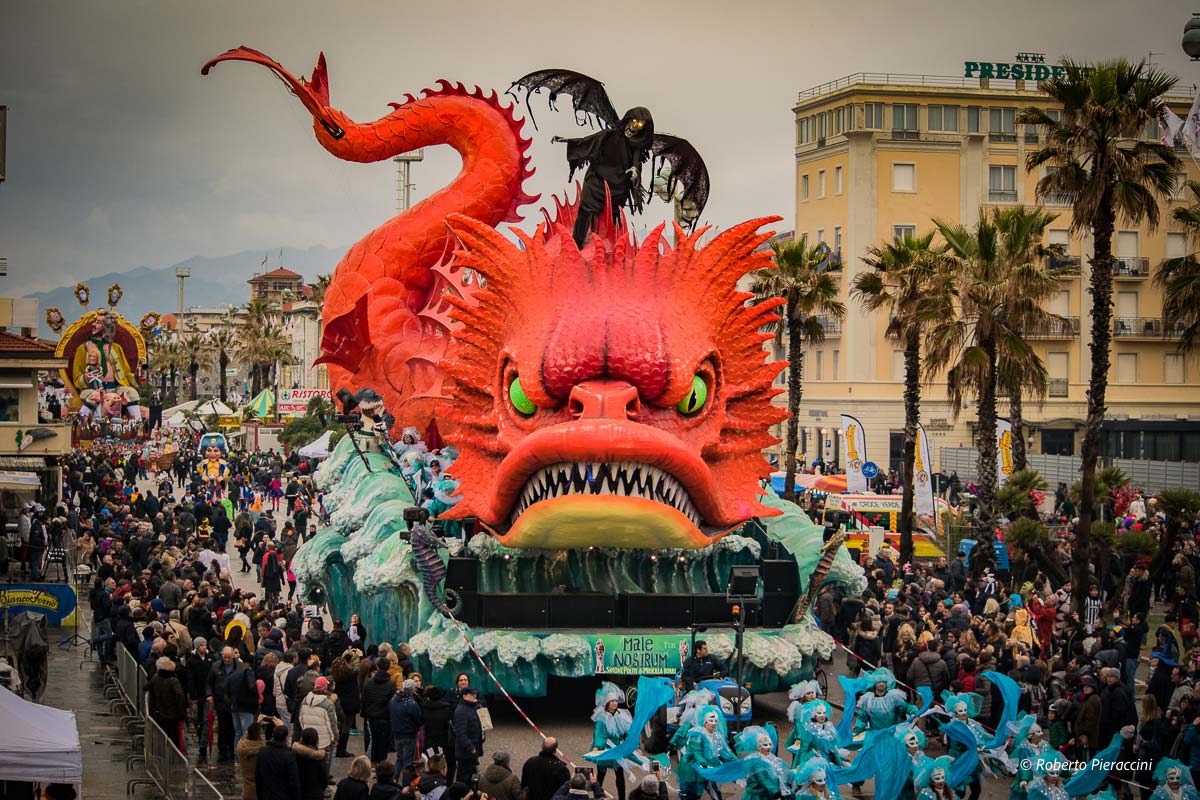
(1028, 67)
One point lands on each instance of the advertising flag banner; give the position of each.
(1191, 127)
(922, 476)
(856, 454)
(1004, 455)
(1169, 124)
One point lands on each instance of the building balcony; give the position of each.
(832, 326)
(1002, 138)
(1064, 264)
(1131, 268)
(906, 134)
(1061, 328)
(1058, 387)
(1146, 328)
(996, 196)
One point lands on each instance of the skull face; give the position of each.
(960, 710)
(764, 744)
(633, 127)
(938, 777)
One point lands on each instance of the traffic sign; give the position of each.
(870, 469)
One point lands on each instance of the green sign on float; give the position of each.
(1028, 67)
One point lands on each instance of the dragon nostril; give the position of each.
(576, 407)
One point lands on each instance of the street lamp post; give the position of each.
(1191, 38)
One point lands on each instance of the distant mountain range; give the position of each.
(214, 282)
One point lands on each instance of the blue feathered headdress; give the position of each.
(746, 742)
(802, 688)
(815, 765)
(608, 691)
(1168, 764)
(809, 710)
(925, 771)
(974, 702)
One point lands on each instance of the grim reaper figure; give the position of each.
(614, 155)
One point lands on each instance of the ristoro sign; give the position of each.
(1027, 67)
(294, 402)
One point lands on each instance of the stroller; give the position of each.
(28, 632)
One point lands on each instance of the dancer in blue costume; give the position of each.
(1174, 782)
(815, 735)
(884, 707)
(964, 707)
(704, 748)
(767, 776)
(1048, 781)
(1029, 745)
(801, 693)
(914, 750)
(813, 783)
(932, 780)
(611, 727)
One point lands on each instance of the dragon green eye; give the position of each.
(520, 401)
(695, 399)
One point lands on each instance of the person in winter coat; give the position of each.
(405, 719)
(385, 787)
(168, 701)
(543, 774)
(336, 642)
(277, 774)
(435, 710)
(125, 631)
(928, 669)
(498, 780)
(345, 685)
(376, 693)
(1087, 722)
(354, 786)
(248, 748)
(311, 763)
(468, 736)
(199, 664)
(318, 713)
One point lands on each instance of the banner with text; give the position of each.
(922, 476)
(294, 402)
(1004, 455)
(56, 600)
(856, 453)
(655, 654)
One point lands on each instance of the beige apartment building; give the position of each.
(882, 155)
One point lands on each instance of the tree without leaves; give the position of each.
(802, 277)
(1104, 170)
(911, 280)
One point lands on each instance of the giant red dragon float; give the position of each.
(613, 394)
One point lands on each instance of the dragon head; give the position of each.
(616, 396)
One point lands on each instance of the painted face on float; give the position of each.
(710, 721)
(880, 688)
(764, 744)
(938, 777)
(1174, 778)
(212, 453)
(960, 711)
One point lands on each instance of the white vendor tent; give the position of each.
(317, 449)
(176, 418)
(38, 744)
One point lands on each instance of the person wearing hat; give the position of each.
(406, 719)
(611, 727)
(468, 736)
(1087, 722)
(319, 711)
(168, 701)
(498, 781)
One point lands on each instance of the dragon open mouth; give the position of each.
(616, 479)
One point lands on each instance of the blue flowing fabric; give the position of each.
(926, 695)
(652, 694)
(853, 687)
(1088, 779)
(1012, 697)
(883, 758)
(728, 772)
(966, 764)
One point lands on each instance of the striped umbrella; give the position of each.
(261, 406)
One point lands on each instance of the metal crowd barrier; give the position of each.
(166, 767)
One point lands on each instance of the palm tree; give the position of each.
(223, 339)
(1097, 160)
(1026, 261)
(254, 342)
(317, 290)
(1180, 277)
(982, 344)
(802, 278)
(909, 273)
(197, 355)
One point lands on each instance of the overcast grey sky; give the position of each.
(120, 154)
